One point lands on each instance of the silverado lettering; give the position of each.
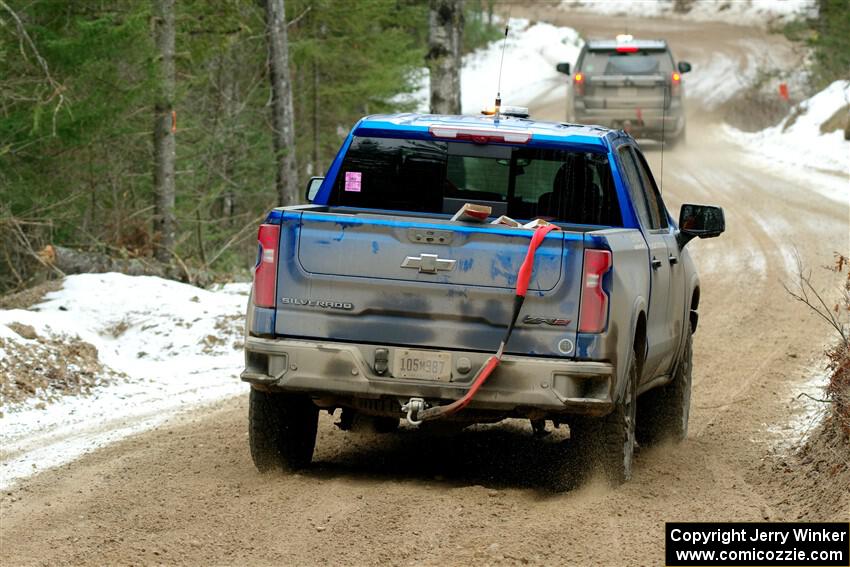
(316, 303)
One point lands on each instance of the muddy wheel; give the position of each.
(663, 412)
(281, 430)
(607, 444)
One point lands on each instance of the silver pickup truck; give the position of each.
(374, 300)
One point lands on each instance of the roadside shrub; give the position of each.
(838, 389)
(827, 34)
(836, 315)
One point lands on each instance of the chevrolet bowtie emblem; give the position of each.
(428, 263)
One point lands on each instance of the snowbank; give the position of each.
(172, 347)
(528, 75)
(798, 142)
(739, 12)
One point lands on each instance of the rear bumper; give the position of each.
(520, 386)
(645, 123)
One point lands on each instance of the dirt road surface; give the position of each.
(187, 493)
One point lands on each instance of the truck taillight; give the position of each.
(593, 317)
(265, 272)
(578, 84)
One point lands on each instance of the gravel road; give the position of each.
(187, 493)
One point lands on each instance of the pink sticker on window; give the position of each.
(352, 181)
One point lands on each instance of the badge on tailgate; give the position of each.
(428, 263)
(422, 364)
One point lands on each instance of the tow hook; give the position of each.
(413, 407)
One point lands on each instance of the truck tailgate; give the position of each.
(423, 282)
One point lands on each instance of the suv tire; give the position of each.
(678, 141)
(281, 430)
(607, 444)
(664, 411)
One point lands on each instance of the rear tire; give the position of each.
(664, 411)
(281, 430)
(607, 444)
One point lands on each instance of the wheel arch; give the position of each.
(693, 310)
(637, 345)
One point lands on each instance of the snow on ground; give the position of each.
(805, 411)
(529, 74)
(737, 74)
(739, 12)
(178, 346)
(821, 161)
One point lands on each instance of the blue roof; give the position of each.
(542, 132)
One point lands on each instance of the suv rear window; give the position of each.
(611, 62)
(439, 177)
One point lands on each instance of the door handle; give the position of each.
(673, 259)
(656, 263)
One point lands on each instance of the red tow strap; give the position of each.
(522, 282)
(524, 274)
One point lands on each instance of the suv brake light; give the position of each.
(627, 49)
(578, 84)
(675, 83)
(265, 272)
(593, 316)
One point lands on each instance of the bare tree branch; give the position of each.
(809, 296)
(57, 87)
(298, 18)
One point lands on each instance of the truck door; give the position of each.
(676, 302)
(658, 332)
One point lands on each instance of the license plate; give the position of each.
(422, 365)
(627, 91)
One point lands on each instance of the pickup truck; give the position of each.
(373, 300)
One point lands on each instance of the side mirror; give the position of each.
(684, 67)
(699, 221)
(563, 68)
(313, 188)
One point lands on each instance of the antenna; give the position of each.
(663, 121)
(501, 64)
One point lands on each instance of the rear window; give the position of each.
(439, 177)
(641, 62)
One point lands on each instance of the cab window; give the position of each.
(560, 185)
(635, 187)
(657, 210)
